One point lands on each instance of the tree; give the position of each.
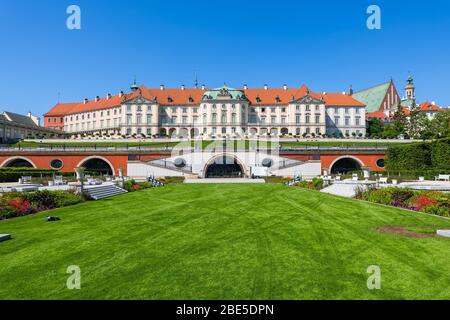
(439, 126)
(417, 122)
(400, 120)
(375, 127)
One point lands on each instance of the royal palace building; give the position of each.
(221, 112)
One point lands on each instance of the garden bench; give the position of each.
(59, 181)
(383, 180)
(444, 177)
(26, 179)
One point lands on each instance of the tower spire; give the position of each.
(134, 86)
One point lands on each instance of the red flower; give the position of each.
(20, 205)
(423, 201)
(136, 187)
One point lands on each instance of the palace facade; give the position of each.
(221, 112)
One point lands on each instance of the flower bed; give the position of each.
(437, 203)
(18, 204)
(315, 184)
(131, 185)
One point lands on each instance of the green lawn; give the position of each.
(223, 242)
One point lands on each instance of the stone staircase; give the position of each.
(104, 191)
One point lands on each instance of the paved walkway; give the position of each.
(346, 188)
(224, 180)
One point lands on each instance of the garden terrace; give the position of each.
(261, 241)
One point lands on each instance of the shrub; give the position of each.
(423, 201)
(437, 210)
(275, 179)
(382, 196)
(169, 180)
(19, 204)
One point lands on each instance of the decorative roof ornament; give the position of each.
(134, 86)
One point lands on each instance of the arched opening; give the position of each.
(184, 132)
(172, 132)
(162, 132)
(284, 131)
(345, 165)
(224, 167)
(195, 133)
(18, 163)
(97, 166)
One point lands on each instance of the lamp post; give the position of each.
(80, 177)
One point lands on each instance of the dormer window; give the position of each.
(169, 99)
(278, 99)
(258, 99)
(191, 100)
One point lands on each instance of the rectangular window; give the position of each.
(317, 130)
(336, 121)
(149, 131)
(273, 120)
(149, 118)
(129, 119)
(185, 120)
(138, 119)
(347, 121)
(283, 120)
(307, 108)
(129, 131)
(297, 119)
(317, 119)
(307, 119)
(128, 108)
(357, 121)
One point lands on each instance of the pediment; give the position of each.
(308, 99)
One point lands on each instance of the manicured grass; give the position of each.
(223, 242)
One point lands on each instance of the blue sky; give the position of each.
(324, 44)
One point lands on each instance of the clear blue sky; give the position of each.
(324, 44)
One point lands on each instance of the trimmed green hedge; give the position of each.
(420, 157)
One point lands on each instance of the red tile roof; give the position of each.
(428, 106)
(377, 114)
(341, 100)
(193, 96)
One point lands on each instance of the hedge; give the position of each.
(420, 157)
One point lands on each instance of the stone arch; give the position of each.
(97, 163)
(17, 161)
(235, 166)
(346, 164)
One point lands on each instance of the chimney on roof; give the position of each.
(350, 90)
(161, 87)
(265, 87)
(285, 87)
(121, 94)
(344, 93)
(203, 87)
(324, 93)
(86, 100)
(433, 103)
(108, 96)
(97, 99)
(245, 87)
(182, 87)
